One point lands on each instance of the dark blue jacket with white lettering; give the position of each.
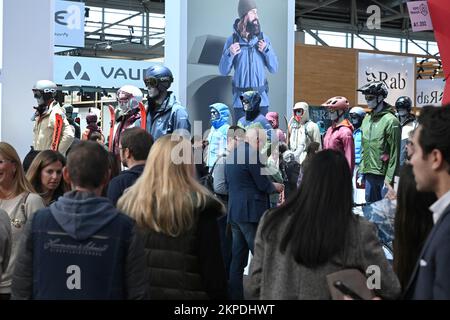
(170, 116)
(81, 247)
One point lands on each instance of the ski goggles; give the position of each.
(151, 82)
(215, 115)
(370, 97)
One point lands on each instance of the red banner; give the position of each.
(440, 13)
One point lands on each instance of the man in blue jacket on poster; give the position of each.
(249, 51)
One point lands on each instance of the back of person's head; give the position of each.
(87, 165)
(435, 131)
(96, 137)
(29, 159)
(166, 195)
(312, 148)
(138, 142)
(413, 222)
(42, 160)
(236, 132)
(20, 182)
(316, 210)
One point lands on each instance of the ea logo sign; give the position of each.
(71, 17)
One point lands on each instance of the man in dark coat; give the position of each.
(248, 199)
(430, 158)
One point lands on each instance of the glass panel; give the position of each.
(388, 44)
(360, 44)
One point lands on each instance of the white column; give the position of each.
(175, 53)
(27, 57)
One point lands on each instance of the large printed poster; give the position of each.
(235, 46)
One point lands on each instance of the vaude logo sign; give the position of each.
(77, 71)
(107, 73)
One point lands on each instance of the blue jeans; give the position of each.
(243, 241)
(375, 190)
(239, 113)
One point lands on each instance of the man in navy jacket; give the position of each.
(81, 247)
(430, 158)
(248, 199)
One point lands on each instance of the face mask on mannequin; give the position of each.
(402, 115)
(374, 102)
(333, 115)
(39, 98)
(124, 101)
(153, 93)
(298, 114)
(356, 121)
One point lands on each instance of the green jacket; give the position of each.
(381, 134)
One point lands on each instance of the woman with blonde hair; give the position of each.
(45, 174)
(19, 200)
(178, 219)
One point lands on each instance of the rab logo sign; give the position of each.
(395, 82)
(77, 70)
(71, 18)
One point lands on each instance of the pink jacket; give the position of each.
(340, 138)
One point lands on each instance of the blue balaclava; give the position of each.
(250, 102)
(220, 115)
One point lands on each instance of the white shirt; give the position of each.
(439, 206)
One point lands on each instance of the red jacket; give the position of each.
(340, 137)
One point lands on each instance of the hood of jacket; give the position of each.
(82, 214)
(345, 123)
(273, 117)
(305, 107)
(224, 113)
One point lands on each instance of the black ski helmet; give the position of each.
(403, 102)
(376, 88)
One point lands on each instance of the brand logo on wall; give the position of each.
(107, 73)
(430, 92)
(77, 70)
(69, 23)
(395, 82)
(397, 72)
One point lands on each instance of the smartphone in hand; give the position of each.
(346, 290)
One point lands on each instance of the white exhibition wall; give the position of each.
(27, 57)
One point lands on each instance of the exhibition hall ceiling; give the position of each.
(330, 15)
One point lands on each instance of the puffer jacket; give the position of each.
(249, 66)
(301, 134)
(217, 138)
(340, 138)
(170, 116)
(381, 144)
(190, 266)
(44, 126)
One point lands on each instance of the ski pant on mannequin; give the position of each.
(375, 190)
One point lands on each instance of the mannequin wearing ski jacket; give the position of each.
(166, 118)
(217, 138)
(340, 138)
(381, 135)
(44, 125)
(302, 133)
